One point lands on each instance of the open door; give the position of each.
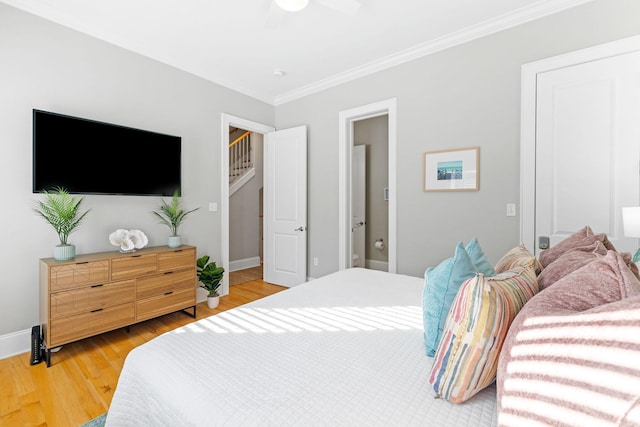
(358, 205)
(285, 206)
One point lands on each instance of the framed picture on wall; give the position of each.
(452, 170)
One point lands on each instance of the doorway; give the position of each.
(347, 121)
(246, 174)
(228, 122)
(370, 210)
(285, 201)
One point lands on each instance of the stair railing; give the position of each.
(240, 156)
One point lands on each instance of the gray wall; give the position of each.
(244, 211)
(49, 67)
(468, 95)
(374, 134)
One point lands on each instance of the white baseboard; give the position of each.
(376, 265)
(15, 343)
(241, 264)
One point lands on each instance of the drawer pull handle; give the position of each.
(168, 293)
(168, 272)
(84, 262)
(178, 250)
(136, 256)
(97, 310)
(97, 286)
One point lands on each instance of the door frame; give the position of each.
(346, 121)
(228, 120)
(529, 77)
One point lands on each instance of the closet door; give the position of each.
(587, 148)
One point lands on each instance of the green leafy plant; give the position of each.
(209, 275)
(62, 211)
(172, 214)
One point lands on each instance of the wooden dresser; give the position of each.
(96, 293)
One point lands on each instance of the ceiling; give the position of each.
(239, 44)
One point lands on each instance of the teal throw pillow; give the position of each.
(479, 259)
(440, 289)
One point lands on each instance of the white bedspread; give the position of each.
(343, 350)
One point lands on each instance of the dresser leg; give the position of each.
(47, 356)
(194, 311)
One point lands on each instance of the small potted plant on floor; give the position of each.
(172, 214)
(62, 211)
(210, 277)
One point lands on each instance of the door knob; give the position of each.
(299, 229)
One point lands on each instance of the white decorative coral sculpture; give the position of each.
(128, 240)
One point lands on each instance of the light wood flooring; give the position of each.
(246, 275)
(83, 375)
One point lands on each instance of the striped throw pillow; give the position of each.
(466, 359)
(517, 257)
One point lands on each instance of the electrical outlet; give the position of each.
(511, 209)
(213, 207)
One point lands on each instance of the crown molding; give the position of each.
(537, 10)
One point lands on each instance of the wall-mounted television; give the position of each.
(91, 157)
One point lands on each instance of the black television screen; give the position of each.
(90, 157)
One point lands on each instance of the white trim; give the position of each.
(15, 343)
(241, 264)
(528, 121)
(373, 264)
(490, 26)
(229, 120)
(346, 119)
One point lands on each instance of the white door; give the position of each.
(285, 205)
(587, 148)
(358, 204)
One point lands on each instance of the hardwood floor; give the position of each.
(246, 275)
(83, 375)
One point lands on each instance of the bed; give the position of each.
(344, 349)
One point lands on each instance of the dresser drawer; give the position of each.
(84, 325)
(177, 259)
(67, 276)
(159, 284)
(133, 266)
(83, 300)
(165, 303)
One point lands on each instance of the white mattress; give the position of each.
(343, 350)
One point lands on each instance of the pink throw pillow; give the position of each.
(570, 261)
(583, 237)
(573, 351)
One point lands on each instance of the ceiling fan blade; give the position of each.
(348, 7)
(275, 16)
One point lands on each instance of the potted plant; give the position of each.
(172, 214)
(210, 277)
(62, 211)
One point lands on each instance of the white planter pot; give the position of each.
(213, 302)
(174, 241)
(64, 252)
